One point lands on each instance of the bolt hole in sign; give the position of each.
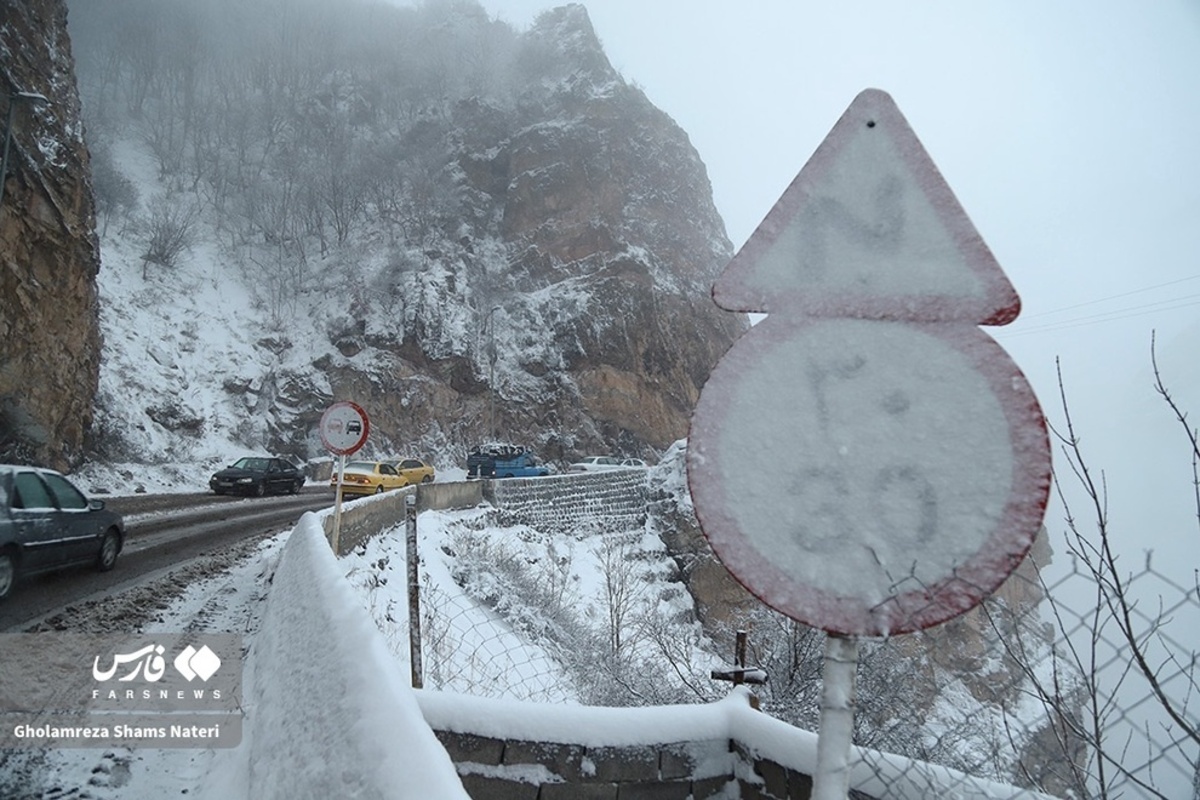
(344, 428)
(866, 460)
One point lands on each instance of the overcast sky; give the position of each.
(1070, 132)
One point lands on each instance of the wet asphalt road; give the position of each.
(162, 532)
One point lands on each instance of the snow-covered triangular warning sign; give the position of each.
(869, 229)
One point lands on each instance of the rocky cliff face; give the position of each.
(593, 197)
(497, 238)
(50, 356)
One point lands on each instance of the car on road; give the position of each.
(414, 470)
(595, 464)
(368, 477)
(258, 475)
(47, 523)
(634, 463)
(503, 461)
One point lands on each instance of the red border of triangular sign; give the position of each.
(999, 303)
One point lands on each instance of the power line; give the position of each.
(1109, 316)
(1113, 297)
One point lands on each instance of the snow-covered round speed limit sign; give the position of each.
(866, 460)
(344, 428)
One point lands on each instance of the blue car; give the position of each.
(503, 461)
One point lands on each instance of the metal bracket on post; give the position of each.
(741, 673)
(414, 590)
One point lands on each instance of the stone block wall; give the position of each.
(499, 769)
(716, 769)
(613, 500)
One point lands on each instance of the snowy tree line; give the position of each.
(294, 125)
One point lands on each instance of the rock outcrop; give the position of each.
(498, 238)
(49, 257)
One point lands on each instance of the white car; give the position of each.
(634, 463)
(595, 464)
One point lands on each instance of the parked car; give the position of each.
(368, 477)
(414, 470)
(47, 523)
(634, 463)
(595, 464)
(258, 476)
(503, 461)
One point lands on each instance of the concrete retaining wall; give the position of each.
(364, 517)
(436, 496)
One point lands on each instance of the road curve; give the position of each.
(162, 532)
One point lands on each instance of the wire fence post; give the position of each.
(836, 733)
(414, 590)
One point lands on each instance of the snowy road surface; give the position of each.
(164, 534)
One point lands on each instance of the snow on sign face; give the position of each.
(869, 228)
(867, 460)
(344, 428)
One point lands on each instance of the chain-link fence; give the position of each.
(1074, 679)
(1048, 685)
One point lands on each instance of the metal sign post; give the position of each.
(344, 429)
(836, 733)
(337, 505)
(866, 460)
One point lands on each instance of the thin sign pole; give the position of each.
(836, 733)
(414, 590)
(337, 505)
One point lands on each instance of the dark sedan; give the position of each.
(258, 476)
(46, 523)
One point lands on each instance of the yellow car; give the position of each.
(368, 477)
(414, 470)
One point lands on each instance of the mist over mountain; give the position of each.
(473, 232)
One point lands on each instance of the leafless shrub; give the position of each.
(171, 231)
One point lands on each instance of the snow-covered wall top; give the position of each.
(328, 713)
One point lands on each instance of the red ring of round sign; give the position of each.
(344, 428)
(868, 477)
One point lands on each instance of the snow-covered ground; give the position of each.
(328, 709)
(503, 608)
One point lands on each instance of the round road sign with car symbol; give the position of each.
(344, 428)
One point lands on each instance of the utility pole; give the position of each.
(13, 99)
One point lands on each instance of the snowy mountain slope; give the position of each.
(486, 225)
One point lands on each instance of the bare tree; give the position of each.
(1121, 648)
(623, 587)
(114, 192)
(172, 229)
